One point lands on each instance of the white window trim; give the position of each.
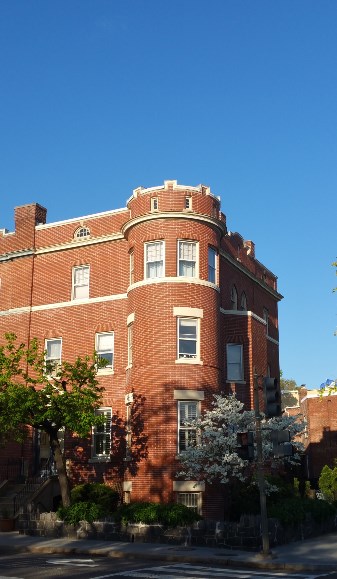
(196, 360)
(108, 369)
(228, 377)
(58, 360)
(104, 456)
(146, 244)
(179, 241)
(188, 395)
(188, 203)
(74, 286)
(78, 230)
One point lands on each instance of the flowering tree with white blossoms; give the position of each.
(214, 454)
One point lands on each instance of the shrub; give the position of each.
(100, 494)
(294, 510)
(168, 514)
(82, 511)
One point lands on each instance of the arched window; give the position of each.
(243, 303)
(82, 232)
(234, 298)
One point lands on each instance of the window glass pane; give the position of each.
(54, 349)
(187, 338)
(234, 362)
(81, 291)
(104, 342)
(234, 354)
(212, 265)
(81, 275)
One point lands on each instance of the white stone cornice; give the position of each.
(273, 340)
(60, 305)
(16, 254)
(247, 313)
(15, 311)
(159, 280)
(201, 218)
(79, 219)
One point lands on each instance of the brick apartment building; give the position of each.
(178, 305)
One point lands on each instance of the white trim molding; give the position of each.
(188, 395)
(189, 486)
(188, 312)
(247, 313)
(188, 280)
(212, 221)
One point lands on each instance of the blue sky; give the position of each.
(98, 97)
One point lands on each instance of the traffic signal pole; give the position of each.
(260, 474)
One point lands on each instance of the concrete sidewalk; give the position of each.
(319, 554)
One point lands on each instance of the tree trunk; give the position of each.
(61, 468)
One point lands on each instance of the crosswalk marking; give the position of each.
(73, 562)
(188, 571)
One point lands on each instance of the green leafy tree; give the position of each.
(33, 394)
(327, 483)
(289, 391)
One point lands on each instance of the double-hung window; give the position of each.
(80, 282)
(130, 343)
(187, 258)
(105, 348)
(154, 259)
(188, 337)
(212, 265)
(188, 411)
(101, 435)
(132, 267)
(234, 362)
(53, 349)
(190, 500)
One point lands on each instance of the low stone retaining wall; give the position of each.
(245, 534)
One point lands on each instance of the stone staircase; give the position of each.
(9, 491)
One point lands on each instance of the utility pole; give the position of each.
(260, 474)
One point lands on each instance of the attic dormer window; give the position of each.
(82, 232)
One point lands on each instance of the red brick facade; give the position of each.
(320, 437)
(234, 302)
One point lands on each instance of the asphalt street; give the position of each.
(30, 566)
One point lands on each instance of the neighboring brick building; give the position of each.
(320, 436)
(179, 307)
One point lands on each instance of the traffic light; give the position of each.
(281, 443)
(245, 447)
(272, 397)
